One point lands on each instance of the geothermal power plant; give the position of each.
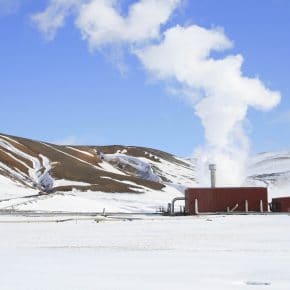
(214, 199)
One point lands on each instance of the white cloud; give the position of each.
(53, 18)
(101, 22)
(224, 94)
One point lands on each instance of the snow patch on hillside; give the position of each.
(39, 173)
(143, 168)
(65, 182)
(81, 151)
(10, 189)
(44, 179)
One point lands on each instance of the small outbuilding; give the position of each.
(280, 204)
(226, 199)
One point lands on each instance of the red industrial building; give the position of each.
(280, 204)
(226, 199)
(230, 199)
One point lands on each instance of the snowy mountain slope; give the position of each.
(271, 169)
(41, 176)
(28, 167)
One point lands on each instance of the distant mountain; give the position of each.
(271, 169)
(36, 171)
(42, 176)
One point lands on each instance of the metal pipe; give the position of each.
(196, 206)
(234, 208)
(169, 208)
(246, 206)
(261, 206)
(173, 203)
(212, 168)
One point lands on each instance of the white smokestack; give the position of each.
(212, 168)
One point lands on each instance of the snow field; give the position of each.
(90, 201)
(216, 252)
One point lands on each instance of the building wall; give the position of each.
(281, 204)
(218, 199)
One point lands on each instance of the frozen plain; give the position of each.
(205, 252)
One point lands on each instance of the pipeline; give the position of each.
(173, 203)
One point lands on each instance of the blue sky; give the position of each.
(59, 91)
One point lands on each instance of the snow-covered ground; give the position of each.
(204, 253)
(76, 201)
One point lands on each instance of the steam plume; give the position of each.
(220, 94)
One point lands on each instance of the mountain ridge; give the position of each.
(78, 173)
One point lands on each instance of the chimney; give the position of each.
(212, 168)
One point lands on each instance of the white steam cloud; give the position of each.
(221, 95)
(219, 92)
